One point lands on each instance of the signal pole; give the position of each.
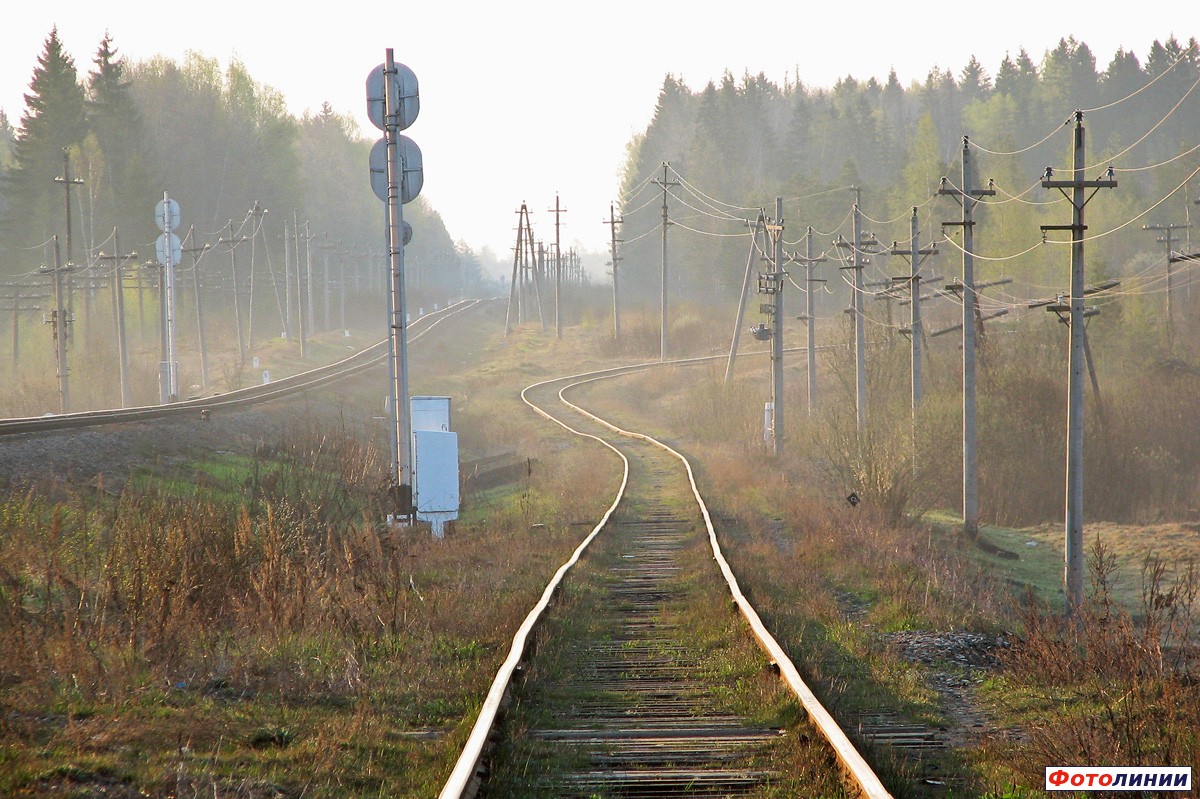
(967, 198)
(1073, 567)
(666, 222)
(612, 223)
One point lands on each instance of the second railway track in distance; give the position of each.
(642, 678)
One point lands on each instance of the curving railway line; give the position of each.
(240, 399)
(604, 692)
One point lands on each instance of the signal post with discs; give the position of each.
(393, 103)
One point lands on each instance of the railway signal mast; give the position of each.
(397, 175)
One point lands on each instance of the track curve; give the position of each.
(653, 778)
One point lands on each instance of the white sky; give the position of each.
(522, 100)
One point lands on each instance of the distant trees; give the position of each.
(213, 137)
(746, 141)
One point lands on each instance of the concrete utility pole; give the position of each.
(858, 262)
(232, 242)
(557, 269)
(118, 298)
(967, 197)
(17, 299)
(777, 279)
(299, 285)
(193, 252)
(612, 223)
(1078, 184)
(66, 181)
(287, 282)
(760, 225)
(256, 213)
(810, 316)
(666, 222)
(311, 317)
(913, 279)
(1169, 239)
(60, 320)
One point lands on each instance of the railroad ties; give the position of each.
(625, 697)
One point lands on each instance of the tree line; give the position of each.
(741, 143)
(217, 140)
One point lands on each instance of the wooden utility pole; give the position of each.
(666, 222)
(612, 223)
(967, 197)
(119, 259)
(1078, 184)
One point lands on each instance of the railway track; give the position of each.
(632, 678)
(242, 398)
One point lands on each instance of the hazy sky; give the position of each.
(522, 100)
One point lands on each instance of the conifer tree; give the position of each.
(53, 122)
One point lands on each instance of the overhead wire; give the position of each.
(1138, 91)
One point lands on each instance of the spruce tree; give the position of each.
(120, 187)
(53, 122)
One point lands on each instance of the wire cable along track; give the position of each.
(634, 682)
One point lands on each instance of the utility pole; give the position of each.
(308, 278)
(915, 328)
(666, 222)
(858, 262)
(1169, 239)
(299, 285)
(967, 197)
(256, 213)
(60, 321)
(809, 316)
(612, 223)
(17, 298)
(1073, 567)
(287, 283)
(777, 276)
(232, 241)
(760, 225)
(66, 181)
(557, 269)
(192, 251)
(119, 260)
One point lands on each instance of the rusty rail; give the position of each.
(464, 779)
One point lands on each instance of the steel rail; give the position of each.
(240, 398)
(854, 763)
(464, 778)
